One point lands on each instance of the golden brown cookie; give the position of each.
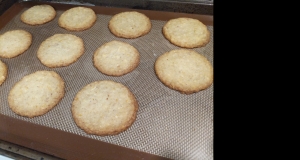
(3, 72)
(130, 24)
(184, 70)
(77, 19)
(14, 43)
(60, 50)
(116, 58)
(38, 14)
(186, 32)
(37, 93)
(104, 108)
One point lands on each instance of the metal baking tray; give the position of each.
(169, 125)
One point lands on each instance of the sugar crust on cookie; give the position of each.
(36, 94)
(77, 19)
(60, 50)
(116, 58)
(104, 108)
(130, 24)
(186, 32)
(38, 14)
(14, 43)
(184, 70)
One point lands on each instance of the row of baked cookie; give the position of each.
(184, 70)
(126, 25)
(113, 58)
(100, 108)
(183, 32)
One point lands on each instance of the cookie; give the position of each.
(184, 70)
(116, 58)
(186, 32)
(3, 72)
(77, 19)
(37, 93)
(60, 50)
(38, 14)
(104, 108)
(129, 24)
(14, 43)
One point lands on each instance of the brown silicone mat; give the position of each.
(168, 124)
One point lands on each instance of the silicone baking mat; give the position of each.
(168, 124)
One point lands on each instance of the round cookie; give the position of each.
(186, 32)
(104, 108)
(37, 93)
(184, 70)
(129, 24)
(3, 72)
(60, 50)
(77, 19)
(14, 43)
(38, 14)
(116, 58)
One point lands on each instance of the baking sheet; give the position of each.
(168, 124)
